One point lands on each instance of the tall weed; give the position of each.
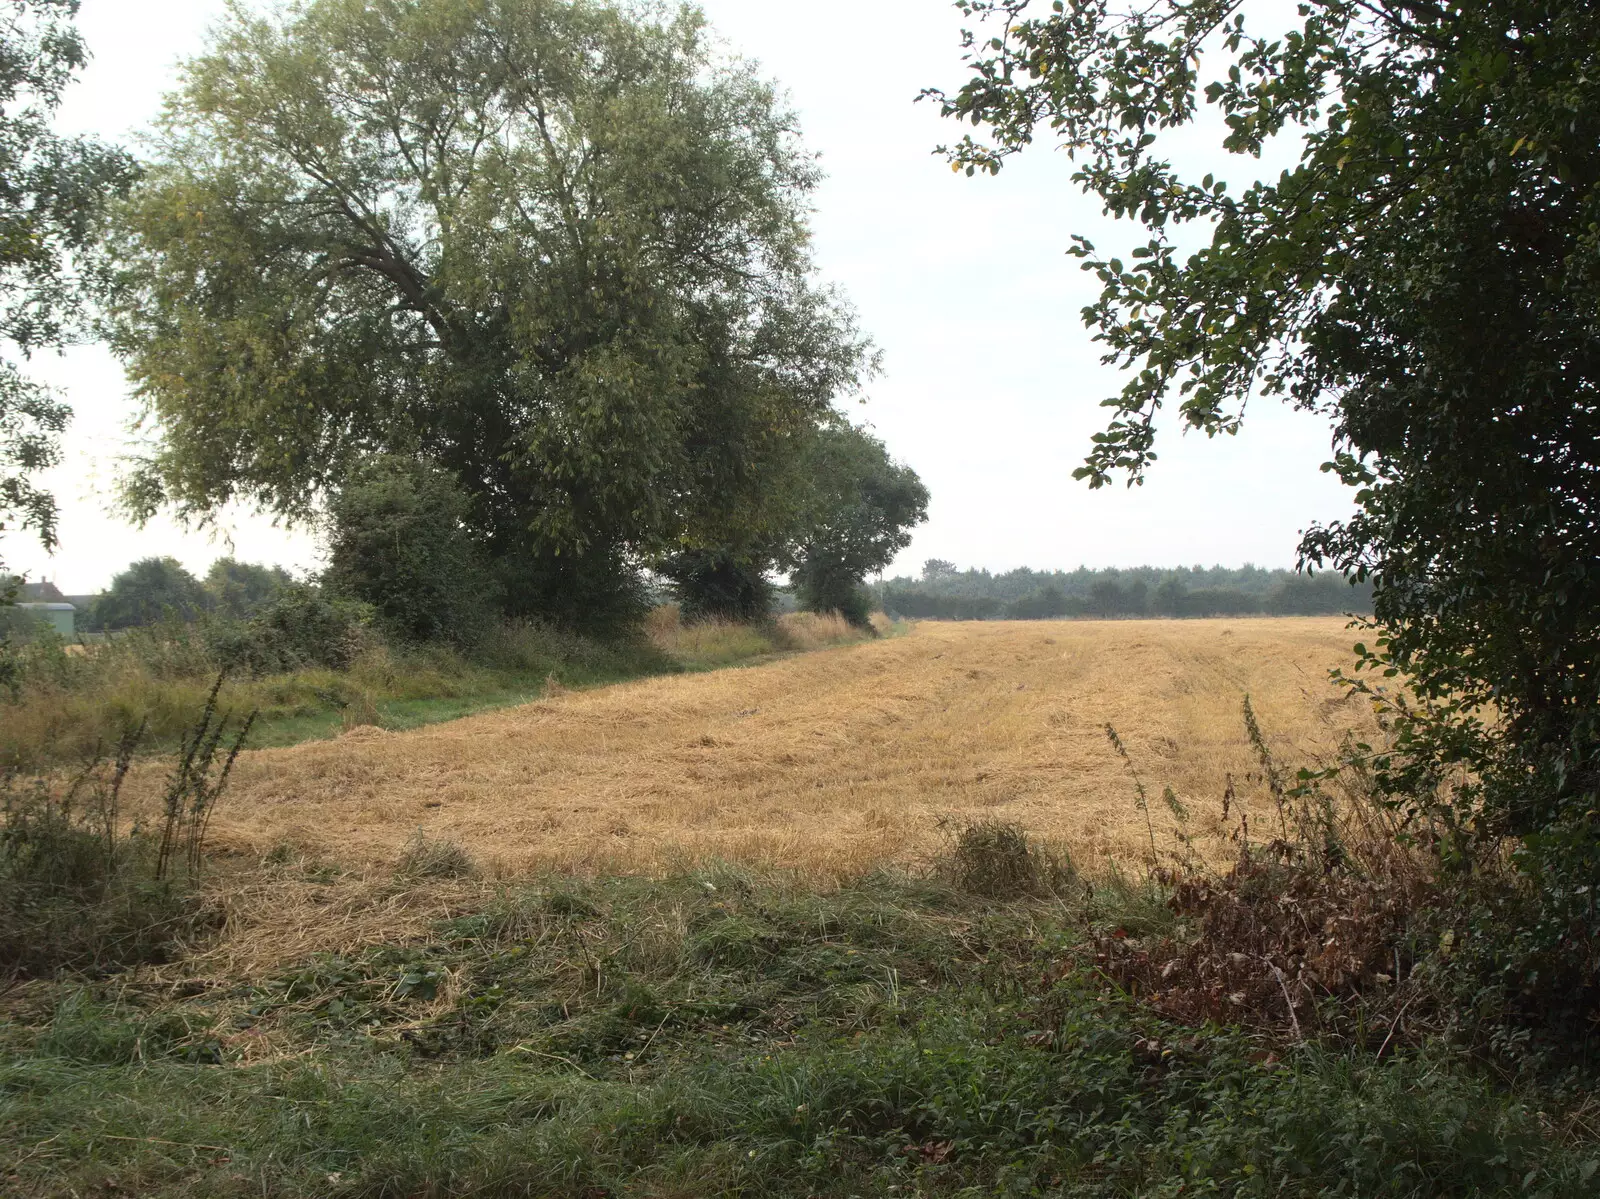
(81, 892)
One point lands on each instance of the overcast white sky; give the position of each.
(991, 386)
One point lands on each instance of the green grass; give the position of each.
(326, 720)
(727, 1034)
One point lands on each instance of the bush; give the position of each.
(599, 593)
(21, 625)
(1360, 919)
(398, 541)
(718, 585)
(301, 627)
(823, 587)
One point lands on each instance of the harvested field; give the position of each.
(828, 763)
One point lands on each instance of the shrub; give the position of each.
(719, 585)
(1359, 918)
(21, 625)
(822, 588)
(397, 540)
(301, 627)
(599, 593)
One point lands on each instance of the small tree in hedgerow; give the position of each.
(149, 591)
(1426, 274)
(863, 508)
(397, 540)
(239, 589)
(720, 584)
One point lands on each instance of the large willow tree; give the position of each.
(554, 247)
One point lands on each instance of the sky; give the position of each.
(990, 388)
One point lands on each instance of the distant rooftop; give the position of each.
(41, 593)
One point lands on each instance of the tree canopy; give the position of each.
(238, 589)
(557, 249)
(862, 508)
(51, 187)
(149, 591)
(1426, 274)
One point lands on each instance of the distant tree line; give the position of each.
(945, 593)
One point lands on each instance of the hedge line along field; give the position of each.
(828, 763)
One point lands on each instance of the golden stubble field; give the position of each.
(826, 763)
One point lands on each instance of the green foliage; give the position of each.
(1108, 598)
(1461, 787)
(150, 591)
(945, 593)
(1047, 603)
(309, 663)
(19, 625)
(599, 592)
(557, 250)
(397, 540)
(300, 628)
(82, 893)
(728, 1034)
(53, 188)
(862, 508)
(719, 585)
(236, 590)
(1423, 276)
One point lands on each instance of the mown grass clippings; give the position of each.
(429, 857)
(828, 763)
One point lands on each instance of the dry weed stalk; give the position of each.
(196, 783)
(1319, 913)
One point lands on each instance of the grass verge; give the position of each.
(72, 704)
(724, 1033)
